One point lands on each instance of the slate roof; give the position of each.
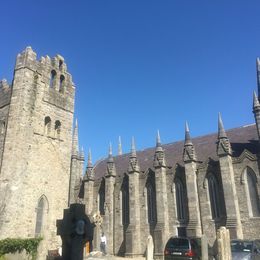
(241, 138)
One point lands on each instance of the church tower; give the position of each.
(36, 148)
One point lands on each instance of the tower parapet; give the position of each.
(57, 81)
(5, 93)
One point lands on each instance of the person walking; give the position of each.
(103, 243)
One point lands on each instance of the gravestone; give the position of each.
(149, 248)
(75, 230)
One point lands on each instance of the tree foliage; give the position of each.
(14, 245)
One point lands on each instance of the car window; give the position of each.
(178, 243)
(194, 244)
(257, 244)
(241, 246)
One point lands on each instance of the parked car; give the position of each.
(180, 248)
(245, 249)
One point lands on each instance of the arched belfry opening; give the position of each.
(57, 128)
(53, 79)
(60, 64)
(62, 84)
(47, 125)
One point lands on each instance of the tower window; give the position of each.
(53, 79)
(57, 129)
(62, 82)
(60, 64)
(47, 125)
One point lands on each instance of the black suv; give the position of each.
(180, 248)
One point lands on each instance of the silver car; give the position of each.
(245, 249)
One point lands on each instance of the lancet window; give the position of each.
(125, 200)
(41, 211)
(252, 193)
(180, 200)
(151, 199)
(101, 195)
(213, 187)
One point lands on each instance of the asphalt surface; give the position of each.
(98, 255)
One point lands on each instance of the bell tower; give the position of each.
(36, 154)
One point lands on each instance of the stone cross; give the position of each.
(75, 230)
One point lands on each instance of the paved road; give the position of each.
(109, 257)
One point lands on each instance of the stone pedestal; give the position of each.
(223, 240)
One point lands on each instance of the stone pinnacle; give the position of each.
(221, 130)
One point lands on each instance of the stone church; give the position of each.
(186, 188)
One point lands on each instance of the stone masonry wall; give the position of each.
(5, 98)
(250, 225)
(36, 159)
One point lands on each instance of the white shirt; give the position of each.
(104, 239)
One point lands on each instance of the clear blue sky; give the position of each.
(143, 65)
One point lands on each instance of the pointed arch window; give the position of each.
(57, 128)
(252, 193)
(125, 201)
(151, 199)
(62, 82)
(41, 211)
(180, 200)
(47, 125)
(101, 195)
(53, 79)
(213, 188)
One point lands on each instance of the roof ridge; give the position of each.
(194, 139)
